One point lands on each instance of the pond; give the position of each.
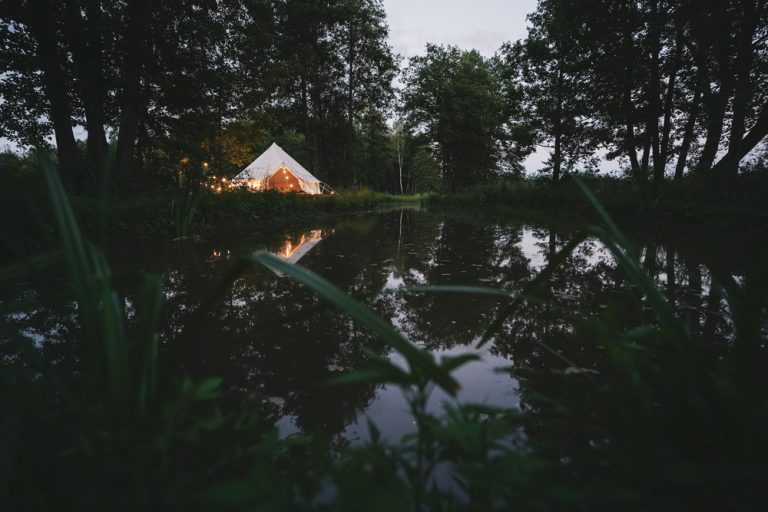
(277, 344)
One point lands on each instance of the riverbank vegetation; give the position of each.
(137, 215)
(695, 202)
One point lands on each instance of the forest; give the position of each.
(663, 89)
(528, 278)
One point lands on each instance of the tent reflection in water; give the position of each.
(293, 249)
(277, 170)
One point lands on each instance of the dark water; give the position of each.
(276, 344)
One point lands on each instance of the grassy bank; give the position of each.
(124, 217)
(694, 201)
(150, 215)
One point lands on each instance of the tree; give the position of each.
(131, 68)
(424, 171)
(455, 97)
(375, 155)
(335, 64)
(369, 64)
(548, 68)
(31, 30)
(663, 75)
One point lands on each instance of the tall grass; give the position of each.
(670, 425)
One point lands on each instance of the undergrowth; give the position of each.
(694, 200)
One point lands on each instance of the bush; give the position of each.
(740, 202)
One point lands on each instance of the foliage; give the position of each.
(548, 67)
(457, 98)
(426, 176)
(200, 81)
(24, 207)
(664, 78)
(686, 203)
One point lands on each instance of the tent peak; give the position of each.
(274, 159)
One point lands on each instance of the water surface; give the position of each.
(277, 344)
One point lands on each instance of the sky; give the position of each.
(480, 24)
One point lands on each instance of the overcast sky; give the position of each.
(480, 24)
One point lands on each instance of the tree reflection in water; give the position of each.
(277, 344)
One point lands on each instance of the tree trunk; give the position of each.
(557, 158)
(399, 163)
(87, 48)
(646, 153)
(318, 159)
(628, 106)
(42, 24)
(654, 91)
(690, 126)
(742, 90)
(650, 262)
(137, 20)
(716, 107)
(630, 147)
(716, 104)
(668, 101)
(758, 132)
(305, 115)
(630, 140)
(351, 55)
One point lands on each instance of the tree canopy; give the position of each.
(665, 88)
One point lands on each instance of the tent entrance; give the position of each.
(284, 181)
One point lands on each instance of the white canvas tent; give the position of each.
(277, 170)
(293, 250)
